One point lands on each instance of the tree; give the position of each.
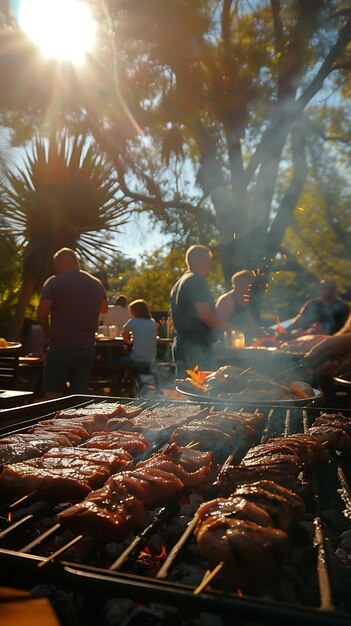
(156, 274)
(64, 195)
(205, 107)
(232, 102)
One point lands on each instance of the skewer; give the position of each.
(207, 579)
(345, 492)
(305, 421)
(326, 603)
(38, 540)
(248, 369)
(227, 462)
(287, 422)
(267, 425)
(5, 532)
(61, 550)
(123, 557)
(23, 499)
(163, 571)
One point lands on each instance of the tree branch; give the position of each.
(278, 26)
(292, 193)
(293, 109)
(326, 68)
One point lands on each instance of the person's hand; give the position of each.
(334, 367)
(332, 356)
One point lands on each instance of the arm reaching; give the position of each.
(332, 356)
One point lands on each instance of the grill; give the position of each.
(34, 547)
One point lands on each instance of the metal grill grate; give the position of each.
(27, 545)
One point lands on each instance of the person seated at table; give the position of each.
(325, 315)
(116, 315)
(235, 306)
(139, 332)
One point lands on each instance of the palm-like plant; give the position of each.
(64, 195)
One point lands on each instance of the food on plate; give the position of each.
(4, 343)
(233, 383)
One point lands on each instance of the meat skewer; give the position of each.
(129, 549)
(122, 504)
(208, 578)
(61, 550)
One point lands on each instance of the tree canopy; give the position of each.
(226, 92)
(211, 111)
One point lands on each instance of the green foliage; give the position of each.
(155, 275)
(63, 195)
(206, 109)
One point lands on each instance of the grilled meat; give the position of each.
(234, 475)
(162, 462)
(288, 463)
(306, 447)
(234, 508)
(21, 447)
(190, 459)
(114, 460)
(159, 421)
(68, 425)
(134, 443)
(334, 420)
(331, 437)
(251, 553)
(283, 506)
(208, 436)
(68, 482)
(152, 486)
(111, 511)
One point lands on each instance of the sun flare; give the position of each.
(62, 29)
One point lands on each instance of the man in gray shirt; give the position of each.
(69, 308)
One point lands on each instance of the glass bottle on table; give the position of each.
(234, 339)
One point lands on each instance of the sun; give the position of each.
(62, 29)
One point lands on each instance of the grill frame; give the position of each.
(88, 577)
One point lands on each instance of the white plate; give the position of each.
(11, 345)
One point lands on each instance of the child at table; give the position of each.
(140, 331)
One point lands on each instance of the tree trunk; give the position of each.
(16, 324)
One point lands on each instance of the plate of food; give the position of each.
(9, 345)
(233, 385)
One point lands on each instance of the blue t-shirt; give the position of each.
(144, 338)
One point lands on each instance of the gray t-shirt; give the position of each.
(144, 338)
(76, 298)
(189, 290)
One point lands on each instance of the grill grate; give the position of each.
(59, 556)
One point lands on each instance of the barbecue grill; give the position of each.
(33, 547)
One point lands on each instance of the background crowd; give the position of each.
(73, 306)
